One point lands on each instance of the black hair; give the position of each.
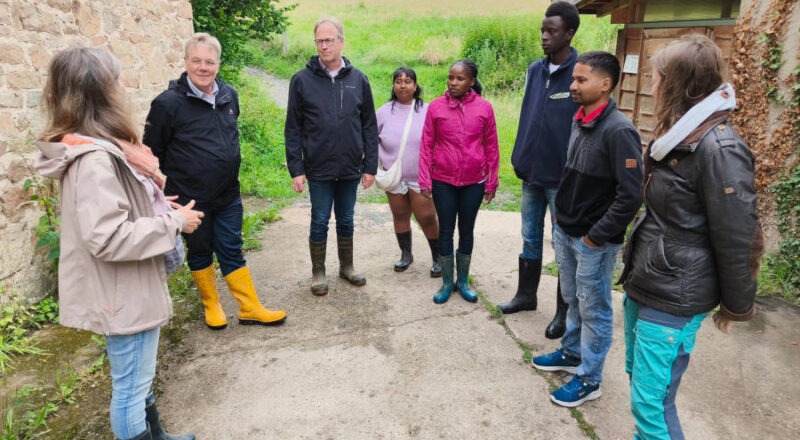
(472, 68)
(604, 62)
(408, 72)
(568, 13)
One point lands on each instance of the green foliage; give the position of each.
(781, 272)
(502, 48)
(551, 269)
(263, 172)
(29, 408)
(44, 193)
(255, 222)
(45, 312)
(234, 23)
(17, 317)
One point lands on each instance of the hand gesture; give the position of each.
(190, 216)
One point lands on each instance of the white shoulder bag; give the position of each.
(387, 180)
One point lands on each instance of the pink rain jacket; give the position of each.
(459, 143)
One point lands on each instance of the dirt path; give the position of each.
(384, 362)
(278, 87)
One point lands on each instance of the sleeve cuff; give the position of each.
(746, 316)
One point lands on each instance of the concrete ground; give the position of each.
(384, 362)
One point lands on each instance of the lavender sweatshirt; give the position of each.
(391, 123)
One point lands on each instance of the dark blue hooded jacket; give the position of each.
(545, 121)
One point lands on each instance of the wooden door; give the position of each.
(633, 94)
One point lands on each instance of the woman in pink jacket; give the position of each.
(458, 165)
(111, 276)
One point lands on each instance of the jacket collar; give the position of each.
(182, 86)
(573, 56)
(610, 107)
(315, 66)
(467, 98)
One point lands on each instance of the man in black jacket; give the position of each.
(598, 196)
(332, 143)
(192, 130)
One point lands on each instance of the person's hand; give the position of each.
(299, 183)
(367, 180)
(172, 203)
(588, 242)
(488, 197)
(722, 322)
(428, 194)
(190, 216)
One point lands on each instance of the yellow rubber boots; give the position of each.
(250, 309)
(206, 281)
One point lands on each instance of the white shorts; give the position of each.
(403, 187)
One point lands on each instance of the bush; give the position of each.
(503, 50)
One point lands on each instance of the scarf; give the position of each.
(142, 159)
(722, 99)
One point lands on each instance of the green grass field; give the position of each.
(381, 35)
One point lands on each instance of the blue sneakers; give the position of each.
(574, 393)
(555, 361)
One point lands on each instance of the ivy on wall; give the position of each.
(758, 59)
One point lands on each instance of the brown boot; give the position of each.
(346, 270)
(206, 281)
(319, 286)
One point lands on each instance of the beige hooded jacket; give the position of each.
(111, 276)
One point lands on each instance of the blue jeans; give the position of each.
(535, 202)
(133, 367)
(219, 233)
(337, 194)
(585, 274)
(657, 349)
(457, 203)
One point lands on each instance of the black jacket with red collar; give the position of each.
(600, 191)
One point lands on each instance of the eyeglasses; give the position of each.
(197, 62)
(325, 41)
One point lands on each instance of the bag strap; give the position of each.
(405, 133)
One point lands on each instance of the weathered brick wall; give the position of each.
(146, 35)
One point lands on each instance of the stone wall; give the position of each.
(146, 35)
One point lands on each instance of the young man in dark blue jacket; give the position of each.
(331, 139)
(192, 130)
(540, 152)
(598, 197)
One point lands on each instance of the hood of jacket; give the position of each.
(56, 157)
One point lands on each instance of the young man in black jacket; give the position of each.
(192, 130)
(331, 138)
(598, 197)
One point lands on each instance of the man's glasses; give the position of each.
(325, 41)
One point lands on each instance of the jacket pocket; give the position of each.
(657, 259)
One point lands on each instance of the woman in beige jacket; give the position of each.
(112, 278)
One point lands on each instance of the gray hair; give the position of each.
(202, 38)
(335, 22)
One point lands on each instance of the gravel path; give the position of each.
(278, 87)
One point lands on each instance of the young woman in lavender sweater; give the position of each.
(405, 199)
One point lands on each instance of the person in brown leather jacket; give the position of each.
(698, 243)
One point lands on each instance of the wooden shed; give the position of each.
(648, 25)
